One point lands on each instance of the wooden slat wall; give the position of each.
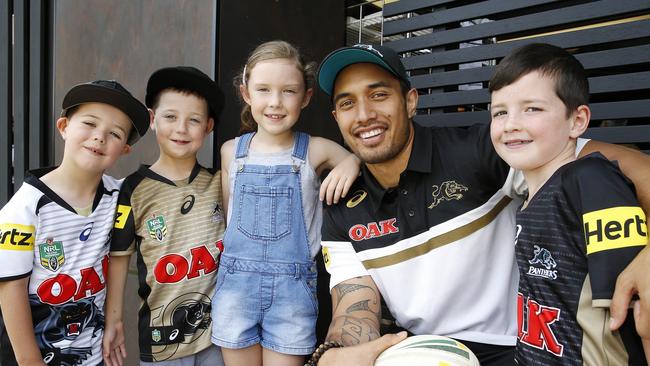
(610, 37)
(6, 166)
(25, 127)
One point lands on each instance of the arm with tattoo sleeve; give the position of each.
(356, 311)
(355, 324)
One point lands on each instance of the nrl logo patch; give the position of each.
(155, 335)
(51, 254)
(447, 191)
(157, 227)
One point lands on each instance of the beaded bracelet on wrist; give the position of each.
(313, 361)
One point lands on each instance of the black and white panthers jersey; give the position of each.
(65, 256)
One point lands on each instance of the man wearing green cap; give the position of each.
(429, 226)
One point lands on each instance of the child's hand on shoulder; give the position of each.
(339, 180)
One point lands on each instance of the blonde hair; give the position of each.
(269, 51)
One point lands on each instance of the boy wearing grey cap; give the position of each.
(170, 214)
(54, 231)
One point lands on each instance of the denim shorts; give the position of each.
(273, 304)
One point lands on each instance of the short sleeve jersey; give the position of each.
(65, 256)
(576, 235)
(439, 245)
(176, 230)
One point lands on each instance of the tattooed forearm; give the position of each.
(361, 305)
(356, 311)
(353, 331)
(344, 289)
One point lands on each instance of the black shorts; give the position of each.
(492, 355)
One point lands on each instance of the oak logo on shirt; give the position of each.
(51, 254)
(157, 227)
(614, 228)
(63, 287)
(174, 267)
(373, 230)
(446, 191)
(17, 237)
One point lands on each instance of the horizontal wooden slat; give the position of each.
(600, 111)
(472, 11)
(619, 110)
(623, 134)
(438, 100)
(568, 15)
(615, 57)
(457, 77)
(590, 60)
(453, 119)
(405, 6)
(618, 32)
(620, 82)
(601, 84)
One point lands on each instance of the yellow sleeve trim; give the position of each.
(17, 237)
(122, 215)
(614, 228)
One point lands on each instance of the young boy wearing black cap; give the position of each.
(54, 231)
(170, 214)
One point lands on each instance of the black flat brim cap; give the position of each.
(186, 78)
(341, 58)
(112, 93)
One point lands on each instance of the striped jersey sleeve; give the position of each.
(18, 221)
(614, 225)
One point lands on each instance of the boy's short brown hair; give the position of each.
(571, 84)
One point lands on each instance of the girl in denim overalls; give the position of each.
(264, 309)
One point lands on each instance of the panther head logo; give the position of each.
(447, 191)
(543, 257)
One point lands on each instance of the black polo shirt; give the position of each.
(446, 229)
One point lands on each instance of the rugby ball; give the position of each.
(427, 350)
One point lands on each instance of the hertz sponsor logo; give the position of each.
(326, 256)
(613, 228)
(121, 215)
(16, 237)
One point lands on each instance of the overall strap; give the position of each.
(300, 144)
(243, 144)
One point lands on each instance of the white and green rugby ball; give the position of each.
(427, 350)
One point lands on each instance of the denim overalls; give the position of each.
(266, 284)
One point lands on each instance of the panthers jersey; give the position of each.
(447, 228)
(576, 235)
(175, 227)
(65, 256)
